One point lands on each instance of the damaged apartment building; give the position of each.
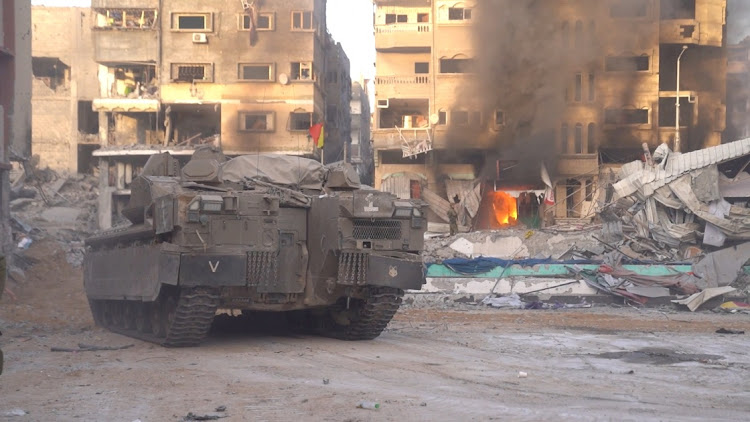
(15, 102)
(244, 76)
(516, 107)
(65, 129)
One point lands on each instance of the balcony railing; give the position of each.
(402, 80)
(403, 27)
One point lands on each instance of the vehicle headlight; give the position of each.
(402, 212)
(211, 203)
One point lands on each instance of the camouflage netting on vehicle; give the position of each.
(280, 169)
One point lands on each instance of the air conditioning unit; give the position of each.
(199, 38)
(382, 103)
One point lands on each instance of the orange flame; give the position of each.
(505, 208)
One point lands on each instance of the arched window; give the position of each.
(579, 35)
(579, 139)
(564, 138)
(591, 147)
(565, 35)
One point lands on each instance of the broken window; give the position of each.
(579, 35)
(578, 139)
(456, 65)
(476, 118)
(301, 71)
(564, 138)
(686, 31)
(421, 68)
(51, 70)
(459, 118)
(459, 14)
(256, 72)
(591, 146)
(668, 112)
(677, 9)
(589, 190)
(302, 21)
(442, 117)
(579, 88)
(300, 121)
(499, 118)
(88, 119)
(625, 9)
(256, 121)
(264, 22)
(191, 21)
(124, 18)
(627, 64)
(191, 72)
(626, 116)
(592, 87)
(565, 34)
(331, 113)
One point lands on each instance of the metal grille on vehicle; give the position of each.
(262, 268)
(353, 268)
(377, 229)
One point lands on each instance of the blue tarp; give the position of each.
(483, 265)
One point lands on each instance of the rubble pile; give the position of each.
(674, 207)
(48, 205)
(517, 243)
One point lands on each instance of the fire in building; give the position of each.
(514, 108)
(172, 75)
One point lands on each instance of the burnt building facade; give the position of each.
(486, 90)
(245, 76)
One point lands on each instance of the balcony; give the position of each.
(124, 4)
(577, 164)
(125, 46)
(403, 37)
(403, 86)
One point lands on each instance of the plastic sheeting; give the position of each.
(291, 171)
(483, 265)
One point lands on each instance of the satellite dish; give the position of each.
(434, 119)
(283, 79)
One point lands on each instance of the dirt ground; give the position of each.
(442, 363)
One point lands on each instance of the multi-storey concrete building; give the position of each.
(247, 76)
(738, 91)
(471, 92)
(15, 100)
(65, 129)
(360, 150)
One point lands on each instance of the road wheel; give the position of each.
(362, 319)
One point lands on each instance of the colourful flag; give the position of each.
(317, 132)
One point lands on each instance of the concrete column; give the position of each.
(105, 191)
(105, 195)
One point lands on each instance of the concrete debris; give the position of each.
(63, 208)
(695, 301)
(694, 199)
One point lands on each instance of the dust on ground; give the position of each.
(443, 363)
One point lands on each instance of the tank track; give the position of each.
(183, 318)
(366, 318)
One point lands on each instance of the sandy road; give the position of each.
(431, 364)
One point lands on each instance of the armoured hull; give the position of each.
(337, 261)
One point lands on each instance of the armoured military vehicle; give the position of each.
(254, 233)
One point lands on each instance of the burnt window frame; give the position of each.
(302, 14)
(609, 122)
(175, 21)
(310, 116)
(608, 60)
(271, 19)
(271, 72)
(174, 69)
(270, 117)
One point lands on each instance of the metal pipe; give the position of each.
(677, 104)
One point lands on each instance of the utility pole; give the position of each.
(677, 104)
